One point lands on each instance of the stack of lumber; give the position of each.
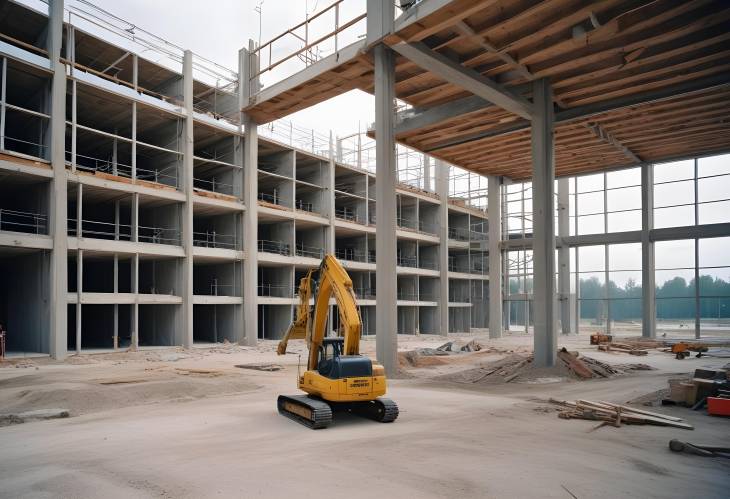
(631, 349)
(615, 414)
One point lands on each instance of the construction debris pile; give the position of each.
(707, 387)
(520, 367)
(615, 414)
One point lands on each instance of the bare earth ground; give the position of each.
(174, 423)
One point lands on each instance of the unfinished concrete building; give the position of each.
(138, 209)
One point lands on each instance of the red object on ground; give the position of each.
(718, 407)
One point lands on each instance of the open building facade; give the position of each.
(147, 225)
(141, 207)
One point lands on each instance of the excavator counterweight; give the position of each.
(337, 378)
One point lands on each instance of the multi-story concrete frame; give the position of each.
(124, 193)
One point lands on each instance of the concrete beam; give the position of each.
(495, 256)
(419, 118)
(385, 243)
(248, 64)
(185, 327)
(466, 78)
(58, 204)
(543, 216)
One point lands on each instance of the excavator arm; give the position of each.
(334, 281)
(298, 328)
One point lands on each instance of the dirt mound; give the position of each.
(419, 358)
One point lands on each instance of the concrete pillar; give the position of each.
(79, 295)
(648, 286)
(494, 213)
(427, 173)
(330, 242)
(248, 64)
(58, 209)
(543, 212)
(442, 189)
(566, 319)
(134, 322)
(185, 330)
(116, 305)
(385, 180)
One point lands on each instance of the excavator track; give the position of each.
(310, 412)
(381, 409)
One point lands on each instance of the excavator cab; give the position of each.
(332, 364)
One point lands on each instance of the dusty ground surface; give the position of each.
(173, 423)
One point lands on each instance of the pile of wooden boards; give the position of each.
(615, 414)
(623, 348)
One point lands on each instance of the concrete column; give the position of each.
(566, 322)
(543, 212)
(116, 305)
(427, 172)
(79, 295)
(494, 213)
(385, 180)
(442, 189)
(185, 330)
(648, 286)
(330, 248)
(58, 208)
(248, 64)
(134, 322)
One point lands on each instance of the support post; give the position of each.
(543, 216)
(427, 173)
(494, 214)
(248, 64)
(186, 323)
(442, 189)
(134, 322)
(59, 209)
(385, 180)
(116, 305)
(566, 319)
(79, 296)
(648, 286)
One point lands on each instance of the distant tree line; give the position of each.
(675, 299)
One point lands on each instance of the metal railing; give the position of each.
(159, 235)
(458, 267)
(407, 261)
(309, 251)
(157, 176)
(428, 264)
(275, 290)
(276, 247)
(213, 239)
(213, 185)
(215, 289)
(310, 51)
(270, 198)
(410, 296)
(345, 213)
(23, 221)
(406, 223)
(301, 205)
(458, 234)
(42, 149)
(459, 297)
(351, 255)
(365, 293)
(100, 230)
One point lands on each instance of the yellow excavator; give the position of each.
(337, 378)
